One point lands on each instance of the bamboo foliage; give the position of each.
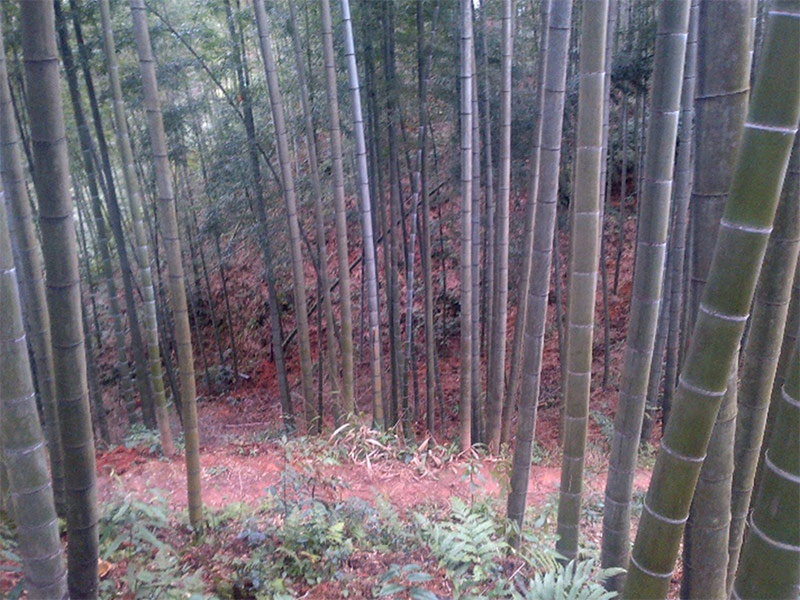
(139, 232)
(761, 164)
(584, 255)
(52, 182)
(673, 22)
(555, 75)
(169, 225)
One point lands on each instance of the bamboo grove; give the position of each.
(401, 214)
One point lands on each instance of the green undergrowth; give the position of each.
(310, 534)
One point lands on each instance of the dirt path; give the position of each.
(244, 474)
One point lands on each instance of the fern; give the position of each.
(576, 581)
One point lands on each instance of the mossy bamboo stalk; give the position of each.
(584, 255)
(654, 213)
(139, 232)
(53, 189)
(762, 350)
(721, 104)
(30, 274)
(760, 167)
(169, 225)
(22, 446)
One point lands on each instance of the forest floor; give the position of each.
(367, 495)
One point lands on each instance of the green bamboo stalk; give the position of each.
(23, 450)
(465, 78)
(762, 350)
(584, 256)
(340, 210)
(346, 402)
(682, 191)
(287, 180)
(654, 213)
(721, 105)
(366, 215)
(169, 225)
(544, 224)
(496, 368)
(760, 167)
(520, 324)
(139, 232)
(52, 182)
(30, 274)
(770, 563)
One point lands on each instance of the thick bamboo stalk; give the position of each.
(515, 374)
(654, 212)
(544, 225)
(496, 368)
(52, 182)
(346, 400)
(30, 274)
(762, 350)
(761, 164)
(22, 445)
(465, 83)
(770, 563)
(287, 179)
(584, 254)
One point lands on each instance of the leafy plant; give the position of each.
(405, 580)
(576, 581)
(133, 531)
(468, 547)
